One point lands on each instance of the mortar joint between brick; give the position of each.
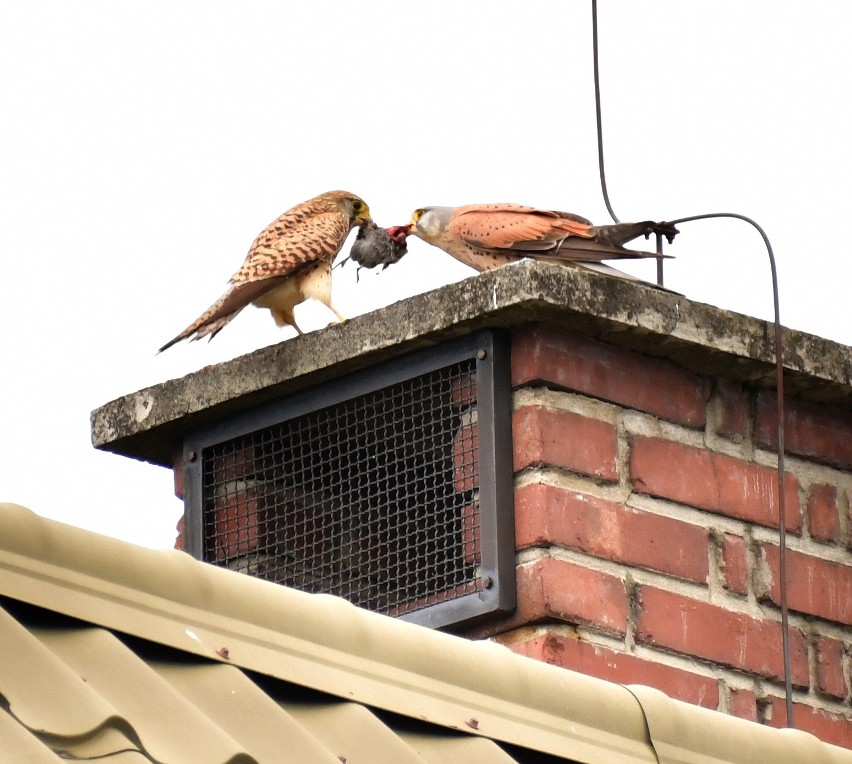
(804, 515)
(813, 670)
(716, 563)
(631, 589)
(844, 509)
(530, 555)
(523, 476)
(569, 481)
(559, 400)
(622, 457)
(760, 574)
(764, 708)
(713, 415)
(724, 697)
(641, 425)
(751, 563)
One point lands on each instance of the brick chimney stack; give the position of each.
(646, 530)
(645, 496)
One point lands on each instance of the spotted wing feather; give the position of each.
(515, 227)
(302, 236)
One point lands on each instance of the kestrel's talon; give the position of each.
(289, 262)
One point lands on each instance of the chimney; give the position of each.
(578, 467)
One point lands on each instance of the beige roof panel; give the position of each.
(702, 736)
(162, 718)
(15, 737)
(446, 749)
(260, 725)
(353, 732)
(157, 653)
(315, 641)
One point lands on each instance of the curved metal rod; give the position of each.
(598, 111)
(779, 412)
(779, 364)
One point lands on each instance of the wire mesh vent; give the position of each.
(371, 489)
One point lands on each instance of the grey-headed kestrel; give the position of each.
(289, 262)
(486, 236)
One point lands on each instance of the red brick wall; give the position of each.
(646, 524)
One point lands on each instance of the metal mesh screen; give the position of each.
(374, 498)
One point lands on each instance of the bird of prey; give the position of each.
(289, 262)
(486, 236)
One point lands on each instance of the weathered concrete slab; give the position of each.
(149, 424)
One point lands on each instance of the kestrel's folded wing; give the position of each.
(290, 243)
(515, 227)
(558, 235)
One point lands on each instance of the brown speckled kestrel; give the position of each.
(289, 262)
(486, 236)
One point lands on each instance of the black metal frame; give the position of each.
(491, 349)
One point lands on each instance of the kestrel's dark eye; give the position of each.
(357, 206)
(418, 214)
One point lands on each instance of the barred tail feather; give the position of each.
(225, 309)
(618, 234)
(589, 250)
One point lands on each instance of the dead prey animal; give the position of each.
(376, 246)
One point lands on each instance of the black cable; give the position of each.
(779, 412)
(601, 171)
(779, 367)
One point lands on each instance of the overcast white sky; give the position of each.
(143, 145)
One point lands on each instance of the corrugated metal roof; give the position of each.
(114, 650)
